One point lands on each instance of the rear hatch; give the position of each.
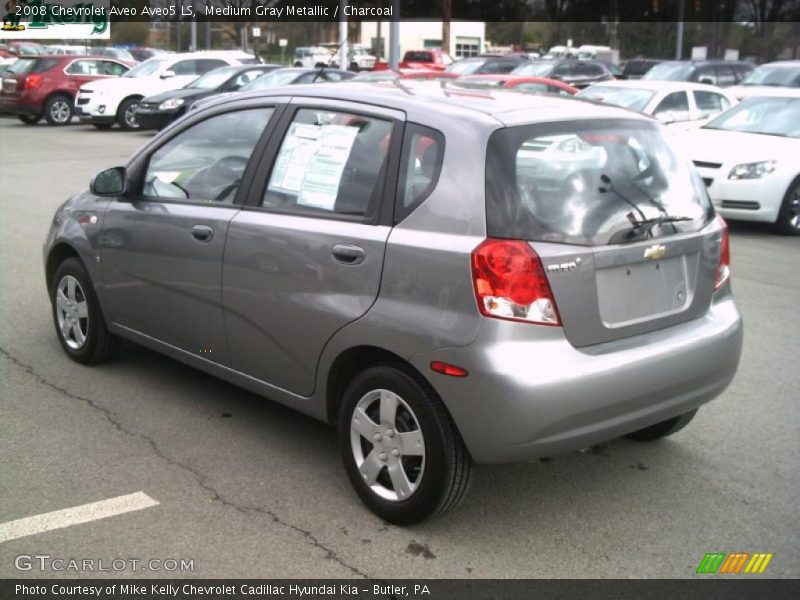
(623, 226)
(25, 73)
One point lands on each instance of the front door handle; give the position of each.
(348, 254)
(202, 233)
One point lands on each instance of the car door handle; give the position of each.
(202, 233)
(348, 254)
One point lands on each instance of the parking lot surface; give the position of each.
(243, 487)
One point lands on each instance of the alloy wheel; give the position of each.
(794, 208)
(60, 111)
(130, 116)
(387, 445)
(72, 312)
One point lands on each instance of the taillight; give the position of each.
(723, 272)
(31, 81)
(510, 283)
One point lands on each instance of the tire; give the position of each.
(78, 319)
(788, 222)
(126, 114)
(430, 461)
(102, 126)
(298, 64)
(30, 119)
(663, 429)
(58, 110)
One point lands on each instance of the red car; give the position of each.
(431, 60)
(537, 85)
(46, 86)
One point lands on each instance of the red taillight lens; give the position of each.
(510, 283)
(724, 264)
(31, 81)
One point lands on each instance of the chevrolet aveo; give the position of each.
(449, 276)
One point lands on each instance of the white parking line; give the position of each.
(76, 515)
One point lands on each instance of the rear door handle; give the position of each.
(202, 233)
(348, 254)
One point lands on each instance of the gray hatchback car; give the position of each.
(450, 276)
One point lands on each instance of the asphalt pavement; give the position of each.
(243, 487)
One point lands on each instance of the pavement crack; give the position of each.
(307, 535)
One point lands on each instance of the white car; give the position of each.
(672, 102)
(749, 159)
(767, 77)
(311, 57)
(108, 101)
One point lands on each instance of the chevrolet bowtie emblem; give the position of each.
(655, 252)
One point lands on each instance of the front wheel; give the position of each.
(58, 110)
(400, 448)
(663, 429)
(788, 222)
(79, 322)
(126, 115)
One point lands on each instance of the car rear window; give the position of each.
(418, 57)
(587, 182)
(26, 66)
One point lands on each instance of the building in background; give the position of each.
(466, 38)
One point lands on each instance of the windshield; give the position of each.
(633, 98)
(670, 72)
(465, 67)
(768, 116)
(583, 182)
(213, 79)
(269, 80)
(147, 68)
(788, 76)
(534, 70)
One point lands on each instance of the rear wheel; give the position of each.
(30, 119)
(788, 222)
(663, 429)
(58, 110)
(401, 451)
(79, 322)
(126, 115)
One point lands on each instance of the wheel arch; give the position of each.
(352, 361)
(123, 100)
(58, 254)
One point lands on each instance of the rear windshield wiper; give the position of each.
(645, 226)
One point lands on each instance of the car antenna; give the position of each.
(328, 64)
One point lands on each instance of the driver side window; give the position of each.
(205, 163)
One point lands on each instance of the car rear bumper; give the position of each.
(527, 398)
(14, 107)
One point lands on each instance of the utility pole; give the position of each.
(343, 62)
(394, 36)
(679, 36)
(193, 47)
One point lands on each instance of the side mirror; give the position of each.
(167, 74)
(111, 182)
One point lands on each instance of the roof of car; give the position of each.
(707, 62)
(783, 63)
(432, 101)
(658, 85)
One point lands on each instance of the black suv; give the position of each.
(722, 73)
(577, 73)
(636, 68)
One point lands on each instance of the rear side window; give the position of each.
(330, 163)
(420, 165)
(25, 66)
(676, 102)
(586, 182)
(709, 103)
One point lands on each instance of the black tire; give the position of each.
(99, 344)
(442, 478)
(30, 119)
(663, 429)
(788, 222)
(102, 126)
(298, 64)
(58, 110)
(124, 118)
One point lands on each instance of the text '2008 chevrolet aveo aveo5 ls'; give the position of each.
(450, 276)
